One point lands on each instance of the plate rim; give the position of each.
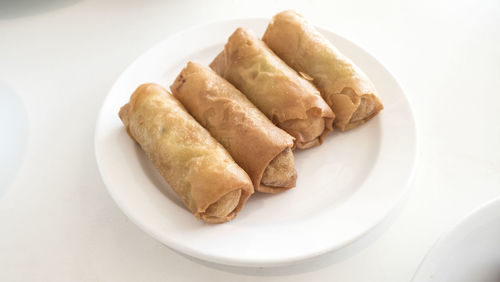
(263, 262)
(448, 233)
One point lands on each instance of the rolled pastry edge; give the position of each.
(353, 110)
(319, 107)
(201, 90)
(211, 214)
(220, 209)
(284, 164)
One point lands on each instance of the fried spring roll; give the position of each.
(287, 99)
(211, 185)
(346, 89)
(256, 144)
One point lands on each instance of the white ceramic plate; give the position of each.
(345, 187)
(469, 252)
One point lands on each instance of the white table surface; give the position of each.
(58, 59)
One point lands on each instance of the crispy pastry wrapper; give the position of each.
(195, 165)
(248, 135)
(345, 87)
(286, 98)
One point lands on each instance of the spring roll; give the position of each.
(211, 185)
(256, 144)
(346, 89)
(287, 99)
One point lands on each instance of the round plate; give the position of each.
(344, 188)
(469, 252)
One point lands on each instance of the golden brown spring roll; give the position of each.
(211, 185)
(344, 86)
(287, 99)
(256, 144)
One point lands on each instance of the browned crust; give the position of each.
(195, 165)
(233, 120)
(341, 83)
(276, 89)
